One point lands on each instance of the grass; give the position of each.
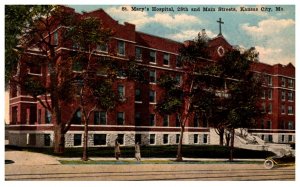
(168, 151)
(120, 162)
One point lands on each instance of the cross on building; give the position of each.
(220, 28)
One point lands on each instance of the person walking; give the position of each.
(117, 149)
(137, 152)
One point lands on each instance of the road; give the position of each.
(148, 172)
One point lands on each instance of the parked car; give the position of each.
(285, 160)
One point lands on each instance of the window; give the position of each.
(152, 139)
(153, 57)
(291, 125)
(99, 139)
(121, 73)
(282, 82)
(166, 120)
(47, 139)
(137, 118)
(177, 138)
(77, 118)
(121, 48)
(166, 59)
(263, 106)
(269, 94)
(165, 139)
(282, 138)
(120, 118)
(205, 139)
(196, 120)
(152, 119)
(121, 139)
(102, 118)
(269, 124)
(269, 80)
(263, 137)
(47, 117)
(204, 120)
(290, 110)
(99, 118)
(262, 124)
(282, 109)
(290, 96)
(14, 115)
(77, 66)
(55, 38)
(138, 95)
(263, 95)
(178, 79)
(195, 138)
(121, 92)
(290, 137)
(138, 53)
(270, 138)
(14, 91)
(282, 95)
(152, 76)
(102, 47)
(35, 69)
(31, 139)
(39, 116)
(77, 139)
(178, 62)
(152, 98)
(270, 108)
(282, 124)
(138, 138)
(290, 83)
(177, 121)
(75, 46)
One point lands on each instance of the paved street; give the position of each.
(47, 168)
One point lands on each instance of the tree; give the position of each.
(239, 108)
(180, 98)
(95, 74)
(16, 18)
(48, 28)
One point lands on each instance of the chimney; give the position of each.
(203, 32)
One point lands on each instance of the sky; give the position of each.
(271, 32)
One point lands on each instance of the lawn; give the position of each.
(168, 151)
(120, 162)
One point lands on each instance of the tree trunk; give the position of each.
(85, 143)
(59, 139)
(231, 145)
(179, 149)
(227, 137)
(221, 137)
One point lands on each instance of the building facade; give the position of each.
(135, 119)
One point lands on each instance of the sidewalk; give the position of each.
(29, 158)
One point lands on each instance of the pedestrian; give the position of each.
(137, 152)
(117, 149)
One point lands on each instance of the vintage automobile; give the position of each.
(285, 160)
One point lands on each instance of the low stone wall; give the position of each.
(37, 138)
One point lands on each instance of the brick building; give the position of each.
(135, 119)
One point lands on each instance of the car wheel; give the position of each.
(269, 164)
